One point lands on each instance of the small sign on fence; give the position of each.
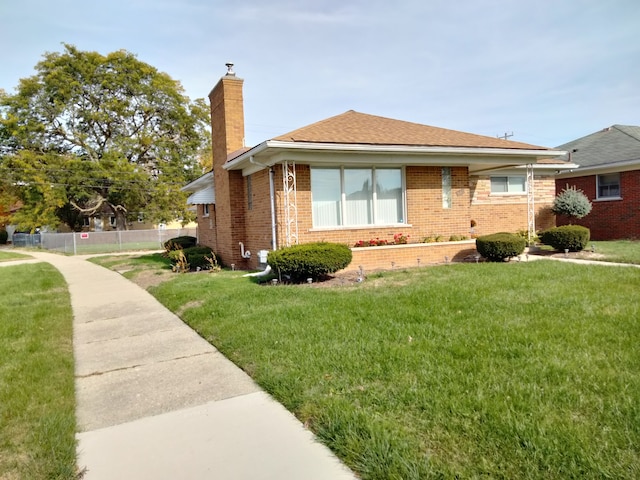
(84, 235)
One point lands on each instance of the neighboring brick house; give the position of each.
(609, 174)
(358, 177)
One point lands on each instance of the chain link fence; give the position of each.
(80, 243)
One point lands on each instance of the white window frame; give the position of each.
(205, 210)
(508, 177)
(343, 199)
(618, 196)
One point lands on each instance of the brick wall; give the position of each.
(206, 227)
(258, 218)
(508, 213)
(410, 255)
(609, 219)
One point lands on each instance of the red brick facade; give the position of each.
(609, 219)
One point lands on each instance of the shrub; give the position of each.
(4, 237)
(193, 258)
(180, 243)
(572, 203)
(457, 238)
(499, 246)
(567, 237)
(310, 260)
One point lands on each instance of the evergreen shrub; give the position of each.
(500, 246)
(180, 243)
(567, 237)
(310, 260)
(195, 257)
(4, 237)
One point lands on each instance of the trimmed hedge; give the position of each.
(196, 257)
(4, 237)
(310, 260)
(499, 246)
(180, 243)
(567, 237)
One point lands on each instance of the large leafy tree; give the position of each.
(92, 134)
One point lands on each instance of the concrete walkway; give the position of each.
(156, 401)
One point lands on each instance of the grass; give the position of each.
(134, 263)
(524, 370)
(37, 405)
(8, 255)
(619, 251)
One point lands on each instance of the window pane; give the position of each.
(325, 193)
(499, 184)
(389, 196)
(517, 184)
(609, 185)
(446, 187)
(359, 196)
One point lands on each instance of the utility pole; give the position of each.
(505, 136)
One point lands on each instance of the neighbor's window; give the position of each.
(446, 187)
(205, 210)
(86, 222)
(609, 185)
(112, 221)
(356, 196)
(249, 194)
(509, 184)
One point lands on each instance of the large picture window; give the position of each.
(356, 196)
(609, 185)
(509, 184)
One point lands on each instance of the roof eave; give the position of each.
(247, 158)
(603, 168)
(199, 183)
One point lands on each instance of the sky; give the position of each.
(546, 71)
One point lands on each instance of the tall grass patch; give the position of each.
(521, 370)
(37, 419)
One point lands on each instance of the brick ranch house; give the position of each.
(609, 175)
(358, 177)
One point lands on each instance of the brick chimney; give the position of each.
(227, 135)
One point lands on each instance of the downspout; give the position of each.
(272, 197)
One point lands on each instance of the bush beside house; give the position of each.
(310, 260)
(566, 237)
(498, 247)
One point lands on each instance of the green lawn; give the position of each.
(621, 251)
(8, 255)
(519, 370)
(37, 405)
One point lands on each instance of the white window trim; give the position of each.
(205, 210)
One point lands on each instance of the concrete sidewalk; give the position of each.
(156, 401)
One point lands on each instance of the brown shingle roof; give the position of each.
(360, 128)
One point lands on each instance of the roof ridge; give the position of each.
(365, 128)
(624, 130)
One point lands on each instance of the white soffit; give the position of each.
(206, 196)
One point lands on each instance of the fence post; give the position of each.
(75, 251)
(119, 239)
